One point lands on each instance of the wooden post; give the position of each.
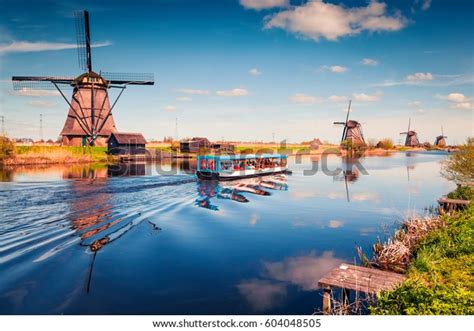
(345, 300)
(327, 301)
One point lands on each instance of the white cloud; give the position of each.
(302, 98)
(193, 91)
(438, 80)
(426, 4)
(459, 101)
(419, 76)
(36, 93)
(417, 105)
(337, 98)
(363, 97)
(236, 92)
(369, 62)
(464, 105)
(170, 108)
(263, 4)
(40, 46)
(456, 97)
(334, 224)
(317, 19)
(335, 68)
(414, 104)
(183, 99)
(42, 103)
(255, 72)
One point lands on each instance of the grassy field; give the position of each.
(440, 276)
(25, 155)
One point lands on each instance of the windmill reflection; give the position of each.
(235, 190)
(349, 173)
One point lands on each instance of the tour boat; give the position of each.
(229, 167)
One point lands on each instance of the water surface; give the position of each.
(143, 240)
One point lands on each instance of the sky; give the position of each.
(252, 69)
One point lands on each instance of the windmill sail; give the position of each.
(89, 120)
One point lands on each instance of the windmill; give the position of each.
(441, 140)
(352, 130)
(412, 137)
(89, 121)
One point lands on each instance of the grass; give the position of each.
(25, 155)
(440, 276)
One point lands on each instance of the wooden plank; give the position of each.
(454, 201)
(361, 279)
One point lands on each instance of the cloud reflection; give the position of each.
(303, 271)
(262, 294)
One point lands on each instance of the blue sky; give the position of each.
(243, 70)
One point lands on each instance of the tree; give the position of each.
(460, 166)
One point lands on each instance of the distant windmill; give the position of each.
(352, 130)
(412, 137)
(441, 140)
(89, 121)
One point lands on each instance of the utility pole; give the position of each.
(41, 128)
(176, 137)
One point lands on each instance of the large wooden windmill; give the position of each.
(89, 121)
(441, 140)
(352, 130)
(411, 136)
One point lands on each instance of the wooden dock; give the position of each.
(447, 204)
(355, 278)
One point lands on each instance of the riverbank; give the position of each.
(440, 274)
(42, 155)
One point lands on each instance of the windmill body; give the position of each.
(89, 121)
(90, 93)
(441, 140)
(411, 139)
(352, 130)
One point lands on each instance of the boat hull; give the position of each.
(206, 175)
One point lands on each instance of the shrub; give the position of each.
(7, 148)
(460, 166)
(462, 192)
(386, 143)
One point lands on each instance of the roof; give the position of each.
(128, 138)
(243, 156)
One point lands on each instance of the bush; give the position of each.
(462, 192)
(7, 148)
(460, 166)
(386, 143)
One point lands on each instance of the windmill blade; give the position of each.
(345, 124)
(409, 124)
(40, 82)
(123, 78)
(83, 40)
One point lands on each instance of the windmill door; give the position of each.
(84, 141)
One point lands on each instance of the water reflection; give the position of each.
(89, 237)
(302, 271)
(235, 190)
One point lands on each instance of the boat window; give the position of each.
(226, 165)
(283, 162)
(203, 164)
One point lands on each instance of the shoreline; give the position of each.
(66, 155)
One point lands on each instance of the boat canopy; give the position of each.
(213, 163)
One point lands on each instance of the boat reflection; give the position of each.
(235, 190)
